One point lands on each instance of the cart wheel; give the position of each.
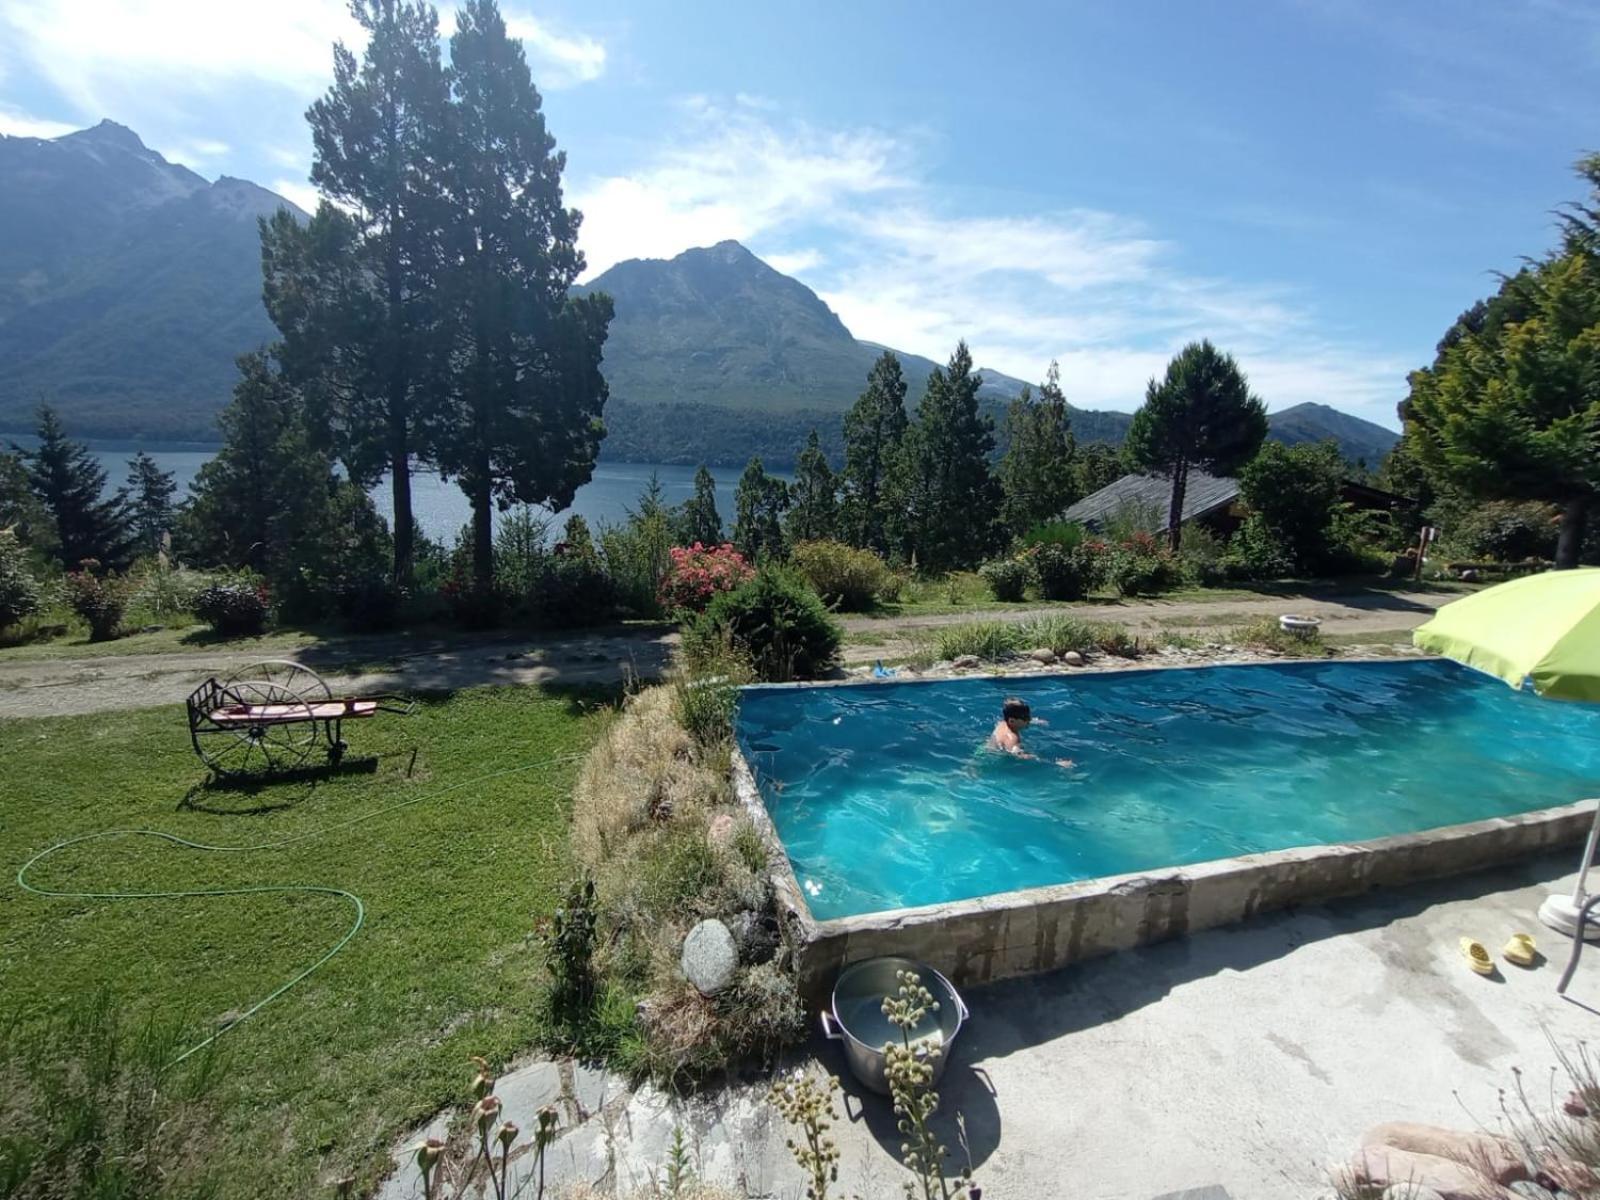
(290, 678)
(281, 743)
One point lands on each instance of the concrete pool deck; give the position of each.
(1249, 1058)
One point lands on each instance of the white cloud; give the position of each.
(14, 123)
(1096, 290)
(194, 152)
(558, 60)
(99, 53)
(301, 193)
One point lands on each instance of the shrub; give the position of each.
(1064, 572)
(1201, 559)
(20, 593)
(233, 608)
(369, 603)
(697, 574)
(778, 623)
(989, 640)
(1008, 578)
(638, 553)
(1255, 553)
(1504, 531)
(1292, 493)
(470, 604)
(569, 942)
(845, 577)
(1138, 566)
(1267, 634)
(574, 590)
(99, 599)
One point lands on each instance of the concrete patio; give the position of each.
(1246, 1059)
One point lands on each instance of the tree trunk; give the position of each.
(482, 528)
(1180, 485)
(1569, 545)
(400, 483)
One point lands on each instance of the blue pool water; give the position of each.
(884, 798)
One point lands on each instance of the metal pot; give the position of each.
(856, 1017)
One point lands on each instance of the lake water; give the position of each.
(440, 507)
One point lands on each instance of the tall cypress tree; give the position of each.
(954, 501)
(874, 436)
(699, 519)
(1037, 473)
(520, 414)
(150, 491)
(814, 495)
(71, 485)
(759, 504)
(372, 274)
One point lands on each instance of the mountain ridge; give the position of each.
(129, 285)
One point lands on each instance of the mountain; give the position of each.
(128, 285)
(1359, 441)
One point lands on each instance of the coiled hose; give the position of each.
(260, 889)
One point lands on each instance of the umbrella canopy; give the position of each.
(1540, 628)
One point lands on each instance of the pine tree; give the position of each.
(258, 502)
(874, 437)
(71, 485)
(698, 519)
(520, 417)
(1037, 474)
(355, 295)
(814, 495)
(759, 504)
(1203, 415)
(150, 491)
(954, 501)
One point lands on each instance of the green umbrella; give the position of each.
(1543, 629)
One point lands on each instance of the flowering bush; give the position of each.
(233, 608)
(1139, 565)
(1063, 572)
(99, 599)
(698, 574)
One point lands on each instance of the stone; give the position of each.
(1072, 658)
(589, 1085)
(965, 662)
(710, 957)
(1527, 1189)
(1043, 655)
(525, 1091)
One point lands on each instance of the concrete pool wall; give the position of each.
(1044, 928)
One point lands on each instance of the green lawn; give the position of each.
(321, 1081)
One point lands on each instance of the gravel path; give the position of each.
(58, 687)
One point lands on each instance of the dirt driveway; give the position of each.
(58, 687)
(1369, 611)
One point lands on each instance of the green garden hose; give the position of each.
(260, 889)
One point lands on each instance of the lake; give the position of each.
(440, 508)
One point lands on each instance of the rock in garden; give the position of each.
(965, 662)
(1043, 655)
(1393, 1169)
(710, 957)
(1529, 1190)
(1072, 658)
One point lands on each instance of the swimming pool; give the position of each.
(883, 798)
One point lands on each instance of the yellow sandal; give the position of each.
(1477, 957)
(1520, 950)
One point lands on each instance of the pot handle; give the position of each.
(830, 1028)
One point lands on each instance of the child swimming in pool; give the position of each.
(1015, 716)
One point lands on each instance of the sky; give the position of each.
(1319, 186)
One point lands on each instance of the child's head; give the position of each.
(1016, 713)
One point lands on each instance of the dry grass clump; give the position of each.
(693, 1190)
(657, 825)
(1267, 634)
